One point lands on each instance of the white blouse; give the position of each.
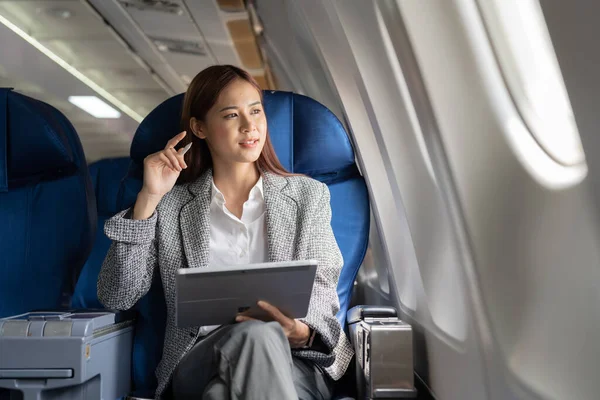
(233, 240)
(236, 241)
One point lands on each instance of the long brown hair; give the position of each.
(201, 95)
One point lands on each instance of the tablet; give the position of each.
(215, 295)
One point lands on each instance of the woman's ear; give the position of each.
(197, 128)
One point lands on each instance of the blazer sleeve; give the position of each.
(324, 303)
(126, 274)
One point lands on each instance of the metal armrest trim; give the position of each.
(359, 313)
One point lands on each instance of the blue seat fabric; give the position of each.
(106, 178)
(308, 139)
(150, 312)
(47, 206)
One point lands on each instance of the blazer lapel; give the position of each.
(194, 222)
(281, 218)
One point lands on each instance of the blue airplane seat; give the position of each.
(47, 206)
(308, 139)
(106, 179)
(115, 193)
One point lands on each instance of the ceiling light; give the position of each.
(94, 106)
(72, 70)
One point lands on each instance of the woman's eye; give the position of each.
(256, 111)
(230, 116)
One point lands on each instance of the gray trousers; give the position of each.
(251, 360)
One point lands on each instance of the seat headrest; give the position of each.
(318, 146)
(36, 142)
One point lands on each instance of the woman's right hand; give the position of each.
(162, 169)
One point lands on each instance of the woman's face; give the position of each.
(235, 128)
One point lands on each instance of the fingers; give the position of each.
(243, 318)
(163, 157)
(175, 139)
(275, 313)
(180, 162)
(171, 155)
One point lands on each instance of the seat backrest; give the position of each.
(47, 206)
(113, 195)
(106, 179)
(308, 139)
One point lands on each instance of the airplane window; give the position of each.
(520, 37)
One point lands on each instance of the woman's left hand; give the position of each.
(297, 332)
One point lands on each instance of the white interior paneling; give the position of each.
(164, 24)
(93, 53)
(144, 100)
(438, 261)
(293, 45)
(40, 18)
(122, 78)
(186, 64)
(535, 250)
(209, 19)
(224, 52)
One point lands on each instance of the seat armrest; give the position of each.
(74, 354)
(358, 313)
(377, 334)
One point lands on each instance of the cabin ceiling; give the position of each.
(139, 51)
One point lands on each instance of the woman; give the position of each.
(235, 203)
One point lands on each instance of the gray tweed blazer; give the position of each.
(177, 236)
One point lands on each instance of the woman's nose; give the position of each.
(248, 125)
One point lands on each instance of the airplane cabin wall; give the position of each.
(411, 229)
(291, 50)
(535, 248)
(495, 267)
(574, 29)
